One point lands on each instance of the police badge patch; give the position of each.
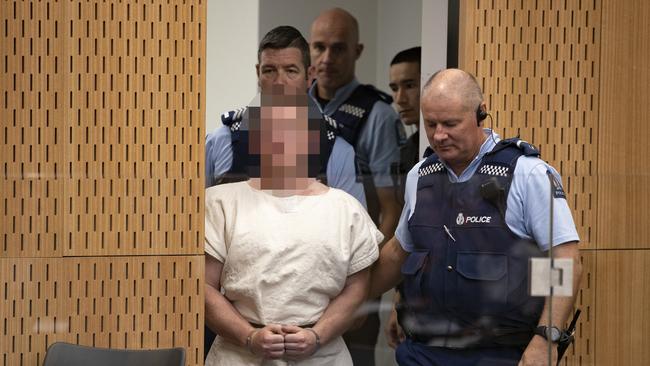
(556, 186)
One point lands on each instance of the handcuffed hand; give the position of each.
(268, 342)
(299, 343)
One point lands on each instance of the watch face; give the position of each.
(554, 333)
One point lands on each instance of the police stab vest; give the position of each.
(466, 282)
(351, 116)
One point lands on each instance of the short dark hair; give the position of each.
(285, 36)
(413, 54)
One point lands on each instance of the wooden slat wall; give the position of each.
(101, 205)
(572, 78)
(116, 302)
(582, 351)
(623, 307)
(32, 127)
(623, 163)
(537, 62)
(623, 295)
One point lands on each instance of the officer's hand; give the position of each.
(299, 343)
(393, 331)
(536, 354)
(268, 342)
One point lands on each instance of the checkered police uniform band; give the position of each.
(498, 170)
(331, 121)
(430, 169)
(353, 110)
(235, 126)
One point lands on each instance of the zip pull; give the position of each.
(449, 233)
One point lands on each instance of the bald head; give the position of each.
(454, 84)
(335, 48)
(337, 18)
(449, 110)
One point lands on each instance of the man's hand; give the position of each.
(393, 331)
(536, 354)
(299, 343)
(268, 342)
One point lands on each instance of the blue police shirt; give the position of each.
(378, 140)
(341, 172)
(528, 200)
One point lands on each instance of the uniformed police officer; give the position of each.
(283, 58)
(404, 74)
(476, 211)
(369, 123)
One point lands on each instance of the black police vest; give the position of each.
(246, 165)
(409, 155)
(350, 117)
(466, 282)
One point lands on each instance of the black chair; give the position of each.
(66, 354)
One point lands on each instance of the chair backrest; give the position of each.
(66, 354)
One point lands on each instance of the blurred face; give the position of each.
(405, 84)
(286, 141)
(281, 66)
(333, 53)
(452, 130)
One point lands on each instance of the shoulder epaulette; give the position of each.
(526, 148)
(233, 119)
(331, 127)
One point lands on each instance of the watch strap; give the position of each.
(544, 331)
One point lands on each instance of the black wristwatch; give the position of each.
(552, 334)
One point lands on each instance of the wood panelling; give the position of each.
(134, 131)
(572, 77)
(623, 307)
(101, 128)
(581, 352)
(101, 204)
(623, 164)
(118, 302)
(537, 62)
(31, 129)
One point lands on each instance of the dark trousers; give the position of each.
(410, 353)
(208, 338)
(361, 341)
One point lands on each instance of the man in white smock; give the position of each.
(287, 258)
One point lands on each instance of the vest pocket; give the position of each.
(412, 270)
(482, 282)
(414, 262)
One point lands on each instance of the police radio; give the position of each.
(493, 192)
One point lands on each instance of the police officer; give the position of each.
(368, 122)
(476, 211)
(283, 58)
(404, 74)
(404, 82)
(363, 113)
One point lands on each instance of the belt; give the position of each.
(478, 339)
(311, 325)
(463, 337)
